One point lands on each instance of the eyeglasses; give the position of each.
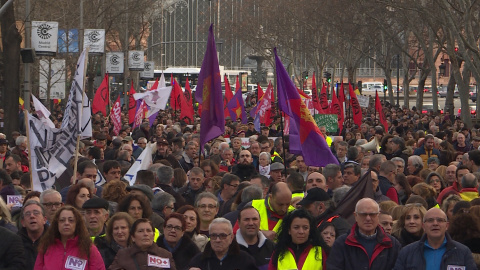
(203, 206)
(438, 220)
(34, 213)
(364, 215)
(222, 236)
(51, 204)
(171, 227)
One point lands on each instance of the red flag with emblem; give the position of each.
(227, 97)
(100, 100)
(324, 99)
(132, 105)
(336, 108)
(175, 99)
(356, 110)
(378, 107)
(187, 105)
(315, 99)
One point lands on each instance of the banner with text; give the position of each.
(329, 121)
(363, 101)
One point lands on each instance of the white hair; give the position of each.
(366, 200)
(221, 220)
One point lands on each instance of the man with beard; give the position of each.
(244, 168)
(162, 153)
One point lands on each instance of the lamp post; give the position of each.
(398, 80)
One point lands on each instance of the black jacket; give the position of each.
(184, 253)
(11, 251)
(179, 200)
(30, 247)
(107, 250)
(261, 253)
(189, 194)
(245, 172)
(235, 259)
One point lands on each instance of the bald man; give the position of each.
(436, 243)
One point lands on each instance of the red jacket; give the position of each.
(57, 257)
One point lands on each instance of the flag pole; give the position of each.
(81, 112)
(376, 96)
(283, 141)
(25, 112)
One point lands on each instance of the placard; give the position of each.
(114, 63)
(44, 37)
(95, 39)
(56, 71)
(136, 60)
(148, 70)
(159, 262)
(363, 101)
(330, 121)
(16, 200)
(75, 263)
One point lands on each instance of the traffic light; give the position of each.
(385, 85)
(305, 75)
(328, 76)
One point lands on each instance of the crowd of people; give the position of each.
(246, 202)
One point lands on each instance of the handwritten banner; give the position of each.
(330, 121)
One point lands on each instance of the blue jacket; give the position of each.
(348, 253)
(411, 256)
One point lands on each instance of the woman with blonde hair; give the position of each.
(408, 228)
(6, 217)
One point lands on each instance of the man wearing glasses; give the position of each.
(367, 246)
(222, 252)
(228, 188)
(51, 201)
(33, 228)
(207, 206)
(436, 249)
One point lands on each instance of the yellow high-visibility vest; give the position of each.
(262, 210)
(288, 261)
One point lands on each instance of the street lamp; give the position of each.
(442, 69)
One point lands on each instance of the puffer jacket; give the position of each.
(348, 253)
(126, 257)
(411, 256)
(57, 256)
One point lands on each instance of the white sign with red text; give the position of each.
(159, 262)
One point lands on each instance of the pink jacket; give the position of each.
(58, 257)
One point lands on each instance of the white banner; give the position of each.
(363, 101)
(136, 60)
(155, 98)
(51, 148)
(142, 163)
(55, 69)
(95, 39)
(115, 62)
(45, 37)
(148, 70)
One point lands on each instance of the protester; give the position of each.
(192, 228)
(222, 252)
(435, 243)
(33, 228)
(138, 207)
(408, 227)
(143, 250)
(67, 242)
(117, 236)
(52, 201)
(77, 195)
(175, 241)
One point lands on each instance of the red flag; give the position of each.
(175, 100)
(302, 94)
(187, 105)
(132, 105)
(260, 92)
(116, 116)
(154, 86)
(324, 99)
(227, 97)
(140, 114)
(356, 110)
(378, 107)
(100, 100)
(315, 99)
(336, 108)
(341, 94)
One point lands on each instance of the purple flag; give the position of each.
(305, 137)
(209, 94)
(236, 107)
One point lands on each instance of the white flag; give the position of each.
(156, 98)
(51, 149)
(42, 112)
(161, 82)
(142, 163)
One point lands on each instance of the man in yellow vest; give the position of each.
(273, 209)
